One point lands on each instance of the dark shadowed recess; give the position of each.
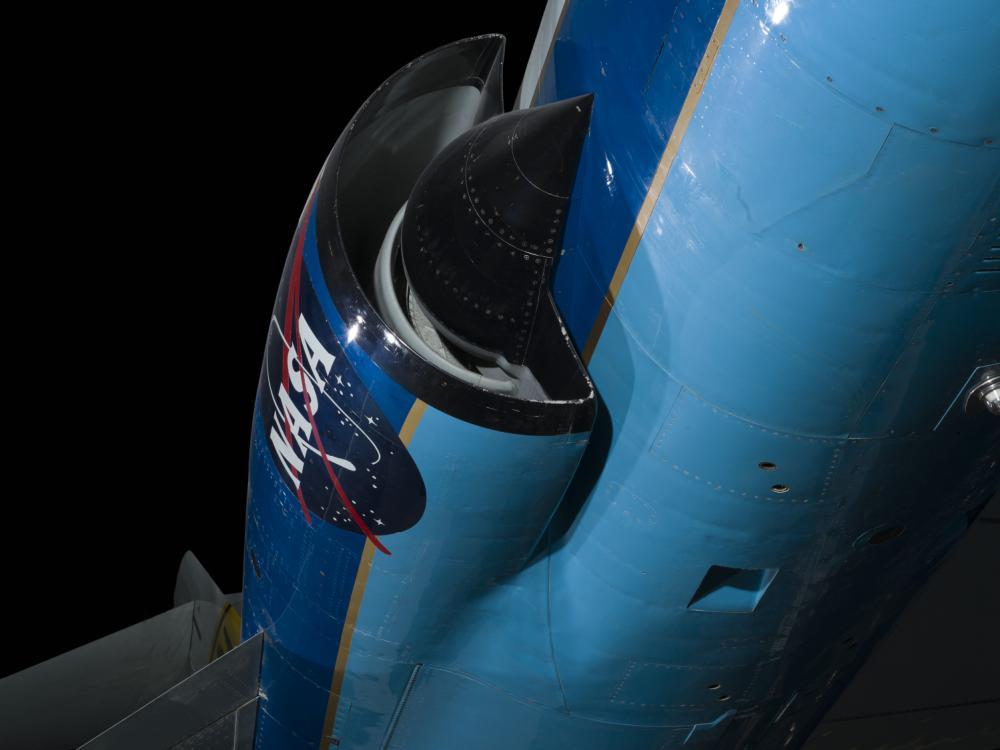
(179, 160)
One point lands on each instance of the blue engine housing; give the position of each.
(780, 270)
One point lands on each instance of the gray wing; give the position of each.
(125, 679)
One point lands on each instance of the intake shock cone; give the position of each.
(483, 227)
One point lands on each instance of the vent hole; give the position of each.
(884, 535)
(780, 488)
(725, 589)
(767, 466)
(879, 535)
(714, 686)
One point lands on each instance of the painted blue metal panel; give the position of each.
(447, 709)
(638, 59)
(805, 284)
(917, 65)
(450, 594)
(780, 370)
(300, 596)
(299, 575)
(720, 287)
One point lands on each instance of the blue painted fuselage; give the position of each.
(780, 268)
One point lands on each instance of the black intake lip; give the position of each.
(368, 175)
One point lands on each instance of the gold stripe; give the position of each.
(662, 171)
(357, 594)
(411, 422)
(364, 568)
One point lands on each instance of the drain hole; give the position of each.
(767, 466)
(884, 535)
(879, 535)
(780, 488)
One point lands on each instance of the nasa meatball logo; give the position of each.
(335, 449)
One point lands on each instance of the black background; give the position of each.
(167, 161)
